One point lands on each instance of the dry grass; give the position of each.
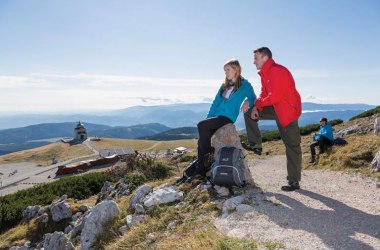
(43, 156)
(144, 145)
(356, 156)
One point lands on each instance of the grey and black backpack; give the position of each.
(228, 168)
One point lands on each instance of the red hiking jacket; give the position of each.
(278, 89)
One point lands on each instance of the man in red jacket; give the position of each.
(280, 101)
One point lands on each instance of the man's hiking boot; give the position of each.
(291, 186)
(250, 147)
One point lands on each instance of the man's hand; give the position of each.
(244, 108)
(254, 114)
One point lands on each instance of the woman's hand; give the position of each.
(244, 108)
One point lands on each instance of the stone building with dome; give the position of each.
(80, 132)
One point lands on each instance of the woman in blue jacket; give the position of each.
(224, 109)
(323, 138)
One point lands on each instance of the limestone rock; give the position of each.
(60, 210)
(376, 163)
(162, 195)
(95, 221)
(68, 229)
(232, 203)
(63, 197)
(139, 194)
(243, 208)
(76, 216)
(228, 136)
(57, 241)
(222, 191)
(31, 211)
(77, 227)
(348, 131)
(134, 220)
(43, 210)
(139, 209)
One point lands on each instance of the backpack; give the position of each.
(228, 168)
(339, 141)
(189, 172)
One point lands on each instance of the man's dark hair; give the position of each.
(324, 119)
(264, 51)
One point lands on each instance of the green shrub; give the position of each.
(77, 187)
(135, 179)
(151, 168)
(367, 113)
(187, 158)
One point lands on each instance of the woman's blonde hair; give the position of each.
(233, 63)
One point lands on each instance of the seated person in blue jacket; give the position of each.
(322, 139)
(224, 109)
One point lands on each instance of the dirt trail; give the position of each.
(333, 210)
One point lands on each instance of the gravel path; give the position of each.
(333, 210)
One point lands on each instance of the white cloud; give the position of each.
(79, 91)
(82, 91)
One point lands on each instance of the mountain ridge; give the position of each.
(174, 115)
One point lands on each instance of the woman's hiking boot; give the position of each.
(249, 147)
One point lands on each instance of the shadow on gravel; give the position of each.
(336, 226)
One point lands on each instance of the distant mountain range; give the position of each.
(174, 116)
(174, 134)
(16, 139)
(147, 122)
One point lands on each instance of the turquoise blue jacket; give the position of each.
(230, 107)
(326, 131)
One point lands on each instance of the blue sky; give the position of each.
(92, 55)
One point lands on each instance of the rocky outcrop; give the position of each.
(161, 195)
(60, 210)
(57, 241)
(31, 211)
(95, 222)
(139, 194)
(109, 191)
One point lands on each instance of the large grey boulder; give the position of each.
(376, 163)
(31, 211)
(162, 195)
(139, 194)
(60, 210)
(228, 136)
(95, 222)
(57, 241)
